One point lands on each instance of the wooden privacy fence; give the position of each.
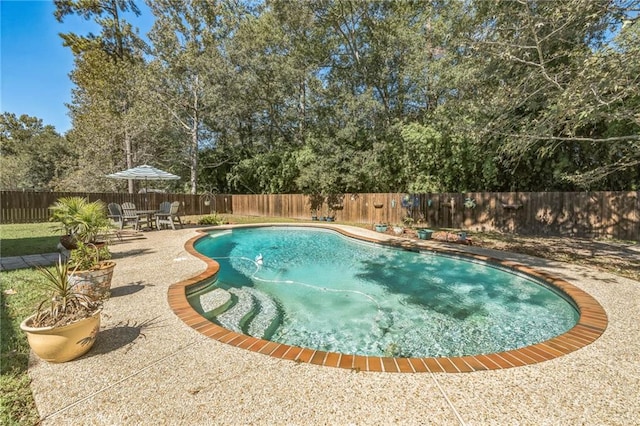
(29, 207)
(579, 214)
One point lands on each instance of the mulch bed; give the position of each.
(444, 236)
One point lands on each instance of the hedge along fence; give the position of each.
(578, 214)
(32, 206)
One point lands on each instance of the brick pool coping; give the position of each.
(590, 326)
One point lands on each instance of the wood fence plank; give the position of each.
(584, 214)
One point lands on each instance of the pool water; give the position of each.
(320, 290)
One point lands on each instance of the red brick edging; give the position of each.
(591, 324)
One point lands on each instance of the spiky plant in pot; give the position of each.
(64, 305)
(65, 324)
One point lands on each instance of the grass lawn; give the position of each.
(29, 238)
(19, 295)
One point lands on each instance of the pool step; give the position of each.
(215, 302)
(268, 317)
(236, 316)
(254, 313)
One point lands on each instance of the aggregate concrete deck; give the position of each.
(148, 367)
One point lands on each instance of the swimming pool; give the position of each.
(318, 289)
(591, 324)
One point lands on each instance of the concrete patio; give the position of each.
(147, 367)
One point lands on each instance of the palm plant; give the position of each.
(83, 220)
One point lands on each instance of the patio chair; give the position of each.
(129, 215)
(162, 213)
(121, 219)
(169, 217)
(165, 208)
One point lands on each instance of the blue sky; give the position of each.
(34, 67)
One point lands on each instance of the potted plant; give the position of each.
(381, 227)
(82, 220)
(65, 324)
(408, 221)
(397, 229)
(92, 270)
(424, 234)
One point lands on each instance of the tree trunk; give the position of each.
(302, 102)
(193, 153)
(194, 161)
(129, 156)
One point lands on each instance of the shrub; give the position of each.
(212, 219)
(83, 220)
(88, 256)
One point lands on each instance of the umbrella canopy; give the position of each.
(144, 172)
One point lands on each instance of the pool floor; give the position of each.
(591, 324)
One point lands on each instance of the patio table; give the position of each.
(149, 214)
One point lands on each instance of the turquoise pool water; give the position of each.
(318, 289)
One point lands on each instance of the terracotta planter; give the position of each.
(94, 283)
(61, 344)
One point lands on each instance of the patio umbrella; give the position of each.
(144, 172)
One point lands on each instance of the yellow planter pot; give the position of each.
(61, 344)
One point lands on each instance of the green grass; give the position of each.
(19, 295)
(20, 239)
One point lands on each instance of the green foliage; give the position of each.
(117, 37)
(20, 291)
(212, 219)
(88, 256)
(557, 96)
(109, 112)
(63, 304)
(83, 220)
(355, 96)
(34, 156)
(186, 71)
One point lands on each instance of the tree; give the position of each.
(556, 91)
(358, 96)
(188, 67)
(33, 156)
(105, 93)
(267, 115)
